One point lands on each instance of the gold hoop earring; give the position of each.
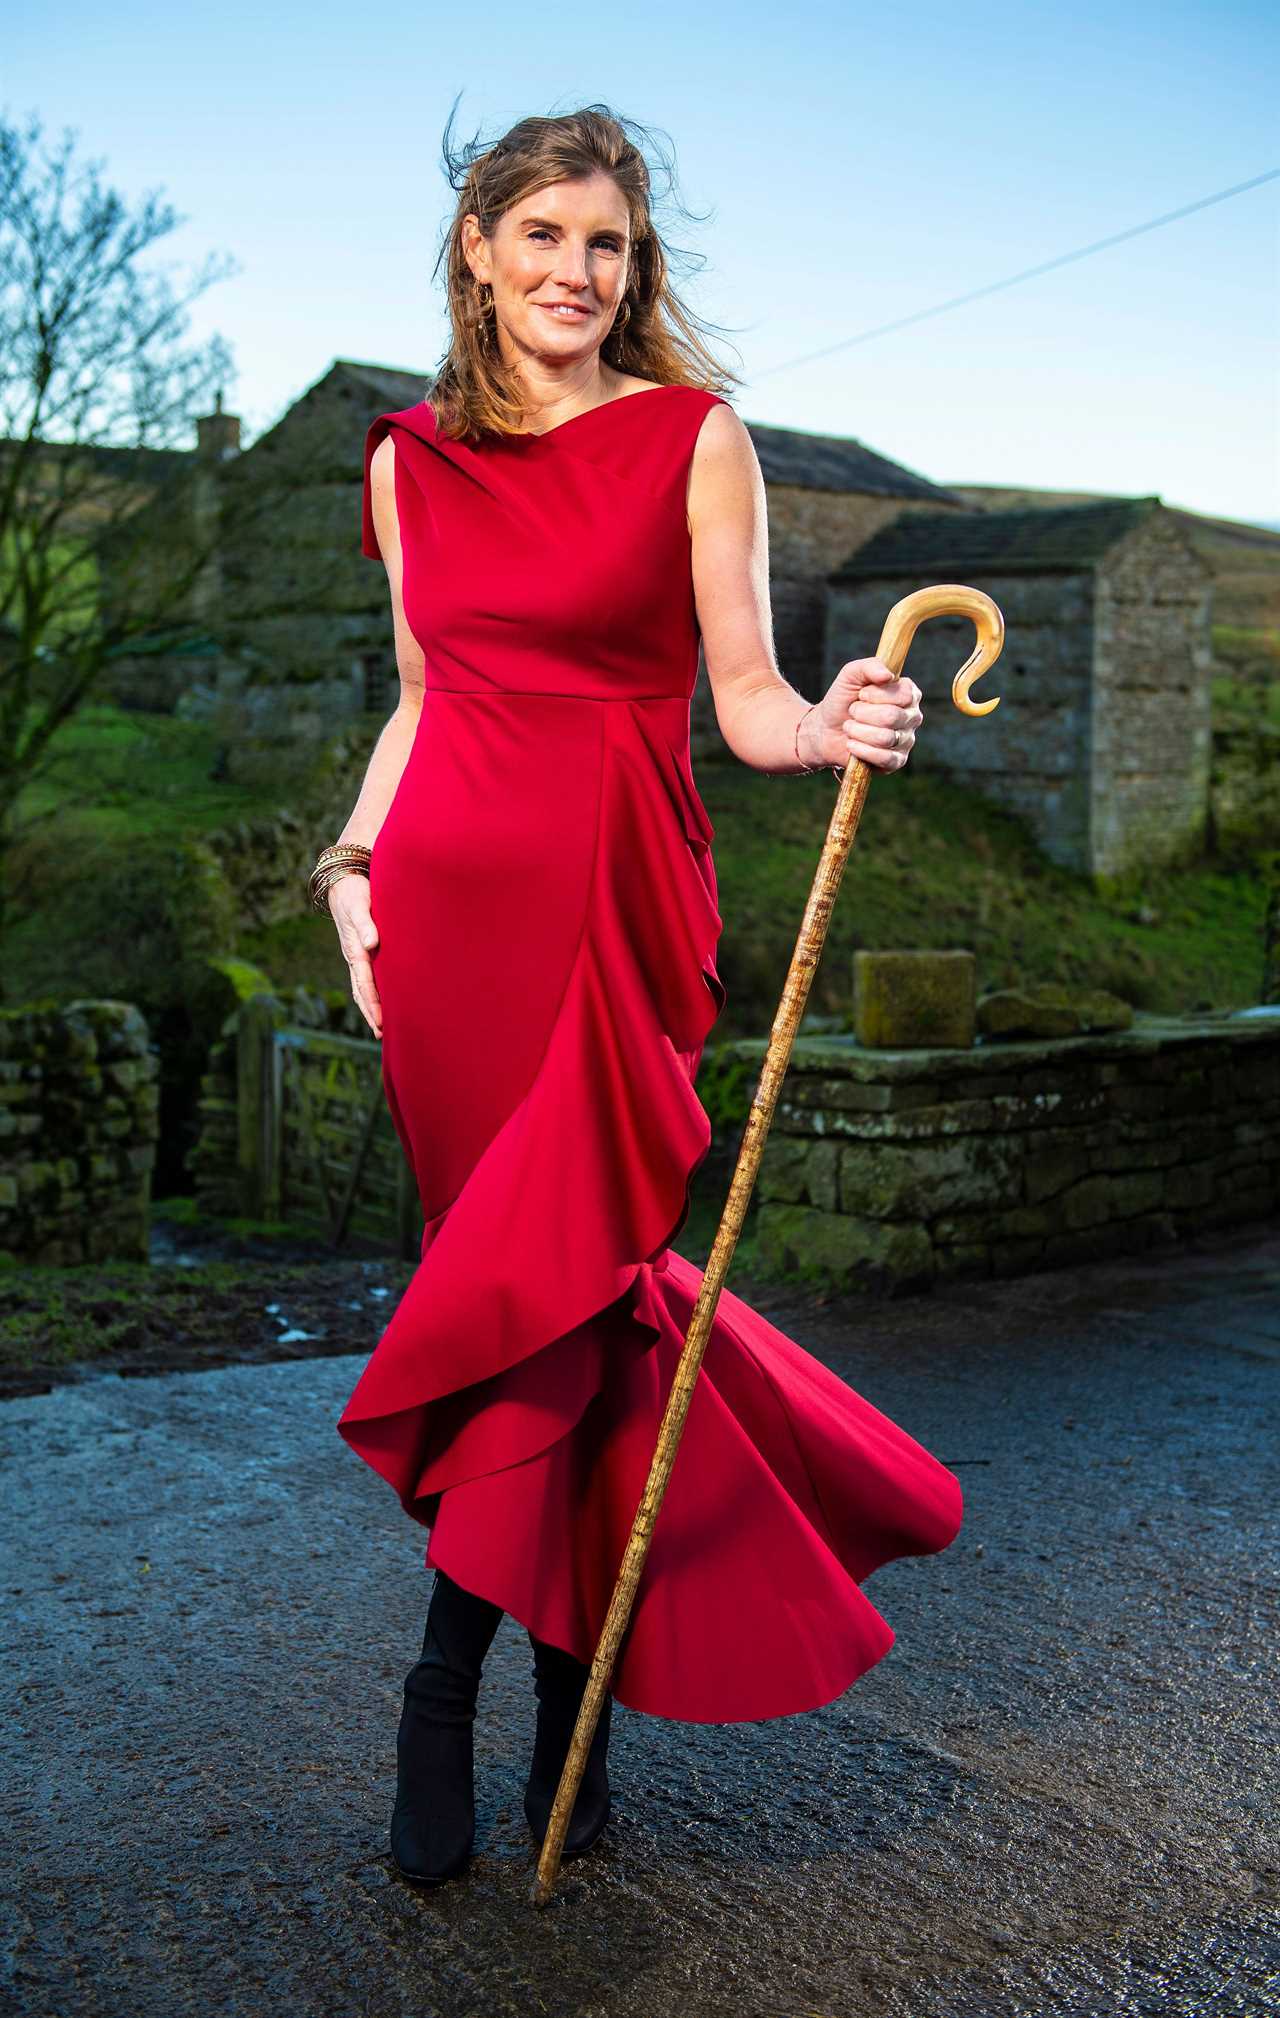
(481, 291)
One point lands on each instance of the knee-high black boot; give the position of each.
(434, 1818)
(560, 1682)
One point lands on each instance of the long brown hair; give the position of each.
(658, 337)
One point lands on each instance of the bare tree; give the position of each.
(102, 542)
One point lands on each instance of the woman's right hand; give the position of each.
(358, 937)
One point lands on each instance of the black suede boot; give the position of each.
(560, 1683)
(434, 1818)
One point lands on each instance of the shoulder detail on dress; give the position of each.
(420, 421)
(703, 400)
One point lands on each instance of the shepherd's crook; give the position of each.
(947, 600)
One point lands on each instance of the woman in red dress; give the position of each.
(564, 517)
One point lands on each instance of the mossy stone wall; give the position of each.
(891, 1170)
(79, 1106)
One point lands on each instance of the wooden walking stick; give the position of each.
(946, 600)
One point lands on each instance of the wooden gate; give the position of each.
(318, 1147)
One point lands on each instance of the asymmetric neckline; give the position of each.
(619, 399)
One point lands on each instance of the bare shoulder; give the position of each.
(724, 471)
(725, 433)
(382, 462)
(382, 485)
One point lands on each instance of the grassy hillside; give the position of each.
(936, 866)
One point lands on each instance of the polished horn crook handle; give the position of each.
(948, 599)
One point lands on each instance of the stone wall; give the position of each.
(892, 1170)
(268, 861)
(79, 1106)
(1152, 729)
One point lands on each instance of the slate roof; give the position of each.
(395, 388)
(1043, 539)
(837, 462)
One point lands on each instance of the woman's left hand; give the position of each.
(868, 711)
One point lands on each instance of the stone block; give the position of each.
(793, 1170)
(886, 1180)
(845, 1253)
(1189, 1186)
(1050, 1170)
(1028, 1222)
(1097, 1200)
(914, 1000)
(782, 1168)
(965, 1258)
(822, 1176)
(809, 1089)
(1048, 1009)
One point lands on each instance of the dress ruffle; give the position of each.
(514, 1400)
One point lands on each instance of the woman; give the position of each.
(533, 938)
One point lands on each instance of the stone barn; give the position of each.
(300, 618)
(1101, 741)
(305, 631)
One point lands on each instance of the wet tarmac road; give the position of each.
(1056, 1794)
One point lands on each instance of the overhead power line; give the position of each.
(1029, 273)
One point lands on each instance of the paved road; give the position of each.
(1056, 1793)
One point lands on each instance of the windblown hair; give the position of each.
(474, 391)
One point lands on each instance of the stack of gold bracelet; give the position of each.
(342, 859)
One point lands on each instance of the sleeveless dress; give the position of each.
(546, 900)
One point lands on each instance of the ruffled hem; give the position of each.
(787, 1489)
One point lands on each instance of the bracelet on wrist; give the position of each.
(808, 770)
(343, 858)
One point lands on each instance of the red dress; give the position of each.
(546, 902)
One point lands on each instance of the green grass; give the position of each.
(119, 773)
(933, 866)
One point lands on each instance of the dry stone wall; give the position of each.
(79, 1108)
(891, 1170)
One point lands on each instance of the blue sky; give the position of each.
(857, 164)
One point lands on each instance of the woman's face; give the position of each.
(557, 264)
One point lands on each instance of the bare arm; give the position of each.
(757, 709)
(349, 898)
(391, 752)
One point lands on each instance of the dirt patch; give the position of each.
(207, 1298)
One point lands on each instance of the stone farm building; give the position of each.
(1101, 741)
